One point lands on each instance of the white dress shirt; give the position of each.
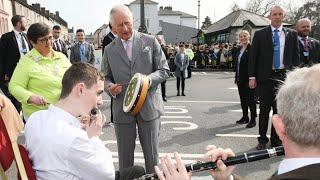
(60, 149)
(282, 43)
(19, 39)
(128, 44)
(291, 164)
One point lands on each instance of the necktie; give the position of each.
(128, 50)
(305, 44)
(24, 46)
(276, 49)
(58, 45)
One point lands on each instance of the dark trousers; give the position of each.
(133, 172)
(5, 90)
(182, 78)
(111, 116)
(163, 89)
(267, 92)
(247, 99)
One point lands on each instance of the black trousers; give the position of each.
(163, 89)
(267, 92)
(247, 99)
(129, 173)
(182, 79)
(5, 90)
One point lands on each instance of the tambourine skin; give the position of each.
(136, 94)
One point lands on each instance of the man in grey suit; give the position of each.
(82, 51)
(133, 52)
(182, 62)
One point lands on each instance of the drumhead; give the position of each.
(132, 92)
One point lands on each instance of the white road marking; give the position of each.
(176, 117)
(191, 126)
(180, 110)
(217, 102)
(165, 107)
(258, 111)
(239, 135)
(233, 88)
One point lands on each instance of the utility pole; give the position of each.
(142, 27)
(198, 22)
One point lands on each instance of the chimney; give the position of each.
(52, 15)
(43, 11)
(57, 14)
(36, 6)
(47, 13)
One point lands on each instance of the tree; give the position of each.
(261, 7)
(235, 7)
(206, 23)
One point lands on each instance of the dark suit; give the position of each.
(314, 52)
(62, 48)
(261, 67)
(107, 40)
(310, 172)
(75, 53)
(9, 58)
(241, 78)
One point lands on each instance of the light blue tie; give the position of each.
(276, 49)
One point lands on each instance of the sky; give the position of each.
(91, 14)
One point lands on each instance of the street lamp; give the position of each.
(142, 27)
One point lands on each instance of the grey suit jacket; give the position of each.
(178, 62)
(148, 59)
(75, 53)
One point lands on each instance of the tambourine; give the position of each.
(136, 94)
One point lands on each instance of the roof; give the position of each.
(236, 19)
(168, 12)
(145, 1)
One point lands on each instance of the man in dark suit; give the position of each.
(58, 44)
(309, 47)
(82, 51)
(297, 124)
(275, 50)
(163, 84)
(13, 45)
(107, 40)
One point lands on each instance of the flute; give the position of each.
(239, 159)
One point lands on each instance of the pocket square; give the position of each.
(146, 49)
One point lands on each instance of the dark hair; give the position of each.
(79, 72)
(15, 19)
(56, 27)
(37, 30)
(80, 30)
(181, 45)
(110, 26)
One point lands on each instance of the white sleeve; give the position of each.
(90, 159)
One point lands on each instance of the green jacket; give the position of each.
(38, 75)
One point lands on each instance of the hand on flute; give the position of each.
(172, 171)
(217, 155)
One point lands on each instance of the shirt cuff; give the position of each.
(150, 82)
(252, 78)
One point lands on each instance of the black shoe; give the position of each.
(251, 124)
(164, 99)
(178, 94)
(261, 146)
(243, 120)
(183, 94)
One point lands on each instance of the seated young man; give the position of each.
(63, 141)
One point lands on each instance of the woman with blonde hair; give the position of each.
(242, 80)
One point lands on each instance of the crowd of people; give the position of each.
(58, 95)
